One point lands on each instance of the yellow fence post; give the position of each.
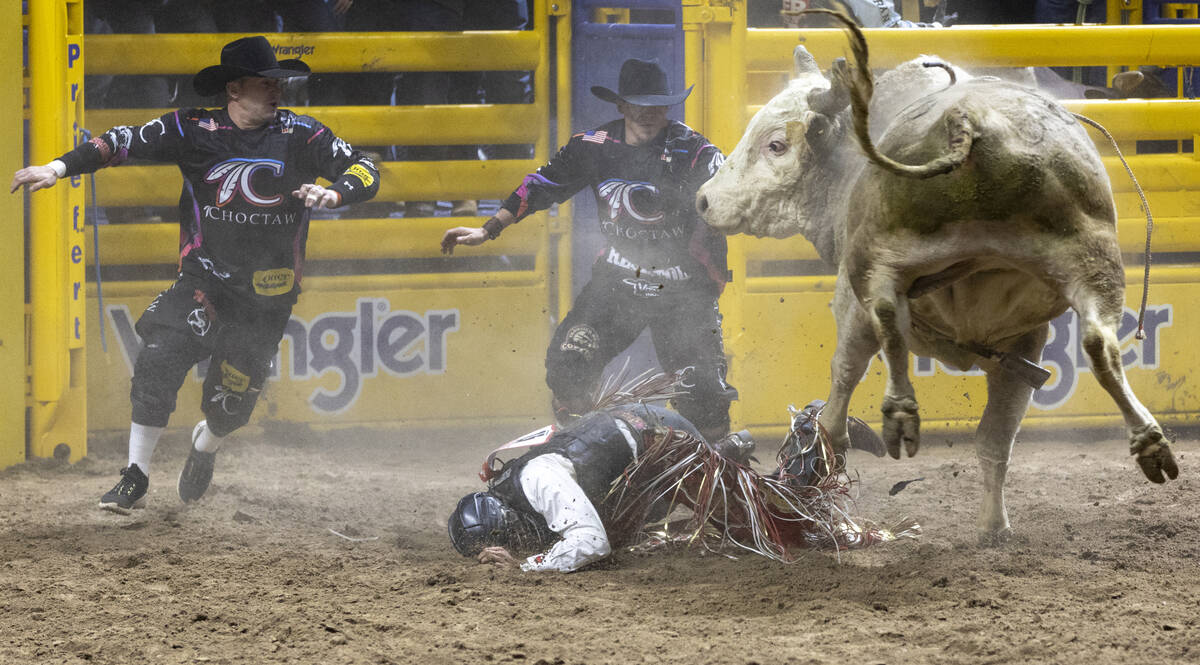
(714, 50)
(1124, 12)
(58, 423)
(560, 227)
(13, 385)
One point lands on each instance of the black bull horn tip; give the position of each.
(832, 100)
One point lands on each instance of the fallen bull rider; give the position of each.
(590, 487)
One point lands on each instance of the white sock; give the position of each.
(142, 439)
(207, 442)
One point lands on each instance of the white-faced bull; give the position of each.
(983, 213)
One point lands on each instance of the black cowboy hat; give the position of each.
(248, 56)
(642, 83)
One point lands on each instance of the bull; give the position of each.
(983, 212)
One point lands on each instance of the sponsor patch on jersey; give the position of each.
(233, 379)
(362, 174)
(274, 282)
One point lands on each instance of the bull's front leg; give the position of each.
(856, 345)
(890, 316)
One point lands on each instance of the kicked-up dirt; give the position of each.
(1104, 566)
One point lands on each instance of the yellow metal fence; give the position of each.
(427, 347)
(13, 381)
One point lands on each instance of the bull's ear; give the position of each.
(803, 62)
(837, 97)
(820, 133)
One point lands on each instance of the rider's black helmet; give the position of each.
(482, 519)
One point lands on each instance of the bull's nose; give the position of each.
(702, 203)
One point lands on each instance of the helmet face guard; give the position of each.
(737, 446)
(482, 520)
(801, 455)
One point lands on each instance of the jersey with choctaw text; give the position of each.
(239, 223)
(645, 195)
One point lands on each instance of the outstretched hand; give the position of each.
(497, 555)
(316, 196)
(462, 235)
(34, 178)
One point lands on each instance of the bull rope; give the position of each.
(1141, 334)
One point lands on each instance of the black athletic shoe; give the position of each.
(197, 470)
(130, 493)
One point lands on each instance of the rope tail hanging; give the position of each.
(1141, 333)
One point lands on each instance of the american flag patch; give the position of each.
(209, 124)
(595, 137)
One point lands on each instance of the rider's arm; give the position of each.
(550, 487)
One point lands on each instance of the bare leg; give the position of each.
(1008, 400)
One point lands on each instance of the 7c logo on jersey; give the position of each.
(235, 176)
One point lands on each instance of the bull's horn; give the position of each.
(803, 62)
(831, 101)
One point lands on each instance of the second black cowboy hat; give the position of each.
(248, 56)
(641, 83)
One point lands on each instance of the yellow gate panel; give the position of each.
(390, 353)
(56, 367)
(795, 336)
(13, 384)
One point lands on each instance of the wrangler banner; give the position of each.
(791, 357)
(425, 357)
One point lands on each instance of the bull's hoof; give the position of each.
(840, 445)
(901, 425)
(995, 538)
(1153, 454)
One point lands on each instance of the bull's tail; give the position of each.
(862, 86)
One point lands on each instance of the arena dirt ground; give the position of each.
(1104, 568)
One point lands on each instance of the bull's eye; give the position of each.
(777, 147)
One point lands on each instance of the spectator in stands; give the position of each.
(502, 87)
(663, 268)
(249, 170)
(867, 13)
(206, 17)
(126, 17)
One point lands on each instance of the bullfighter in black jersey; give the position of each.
(663, 267)
(249, 172)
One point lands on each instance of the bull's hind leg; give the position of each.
(856, 345)
(1100, 311)
(890, 316)
(1008, 400)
